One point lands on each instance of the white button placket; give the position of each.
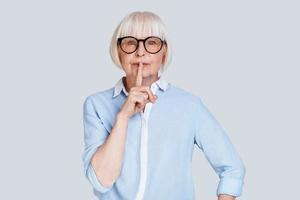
(144, 147)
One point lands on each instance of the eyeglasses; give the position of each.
(130, 44)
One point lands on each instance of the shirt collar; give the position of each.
(119, 86)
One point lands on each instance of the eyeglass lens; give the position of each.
(152, 44)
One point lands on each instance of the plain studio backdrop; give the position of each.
(241, 57)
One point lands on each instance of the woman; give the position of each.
(140, 134)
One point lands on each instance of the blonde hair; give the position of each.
(136, 23)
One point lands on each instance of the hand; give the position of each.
(138, 96)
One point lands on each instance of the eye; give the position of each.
(131, 42)
(152, 42)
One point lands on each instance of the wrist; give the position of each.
(121, 116)
(226, 197)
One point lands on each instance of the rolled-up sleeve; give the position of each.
(211, 138)
(95, 135)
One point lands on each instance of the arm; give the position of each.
(211, 138)
(103, 154)
(104, 151)
(108, 159)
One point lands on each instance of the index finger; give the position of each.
(139, 76)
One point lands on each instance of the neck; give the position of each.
(129, 81)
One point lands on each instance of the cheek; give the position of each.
(157, 60)
(125, 59)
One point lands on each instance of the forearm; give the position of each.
(107, 160)
(226, 197)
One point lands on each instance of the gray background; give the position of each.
(241, 57)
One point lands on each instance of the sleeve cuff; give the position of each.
(230, 186)
(94, 181)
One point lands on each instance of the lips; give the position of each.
(137, 63)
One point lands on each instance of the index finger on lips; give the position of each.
(139, 76)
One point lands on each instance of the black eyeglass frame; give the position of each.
(119, 40)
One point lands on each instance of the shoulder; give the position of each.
(182, 94)
(98, 98)
(188, 102)
(182, 99)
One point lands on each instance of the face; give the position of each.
(151, 62)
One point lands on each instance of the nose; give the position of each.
(141, 49)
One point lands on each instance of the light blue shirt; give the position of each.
(157, 162)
